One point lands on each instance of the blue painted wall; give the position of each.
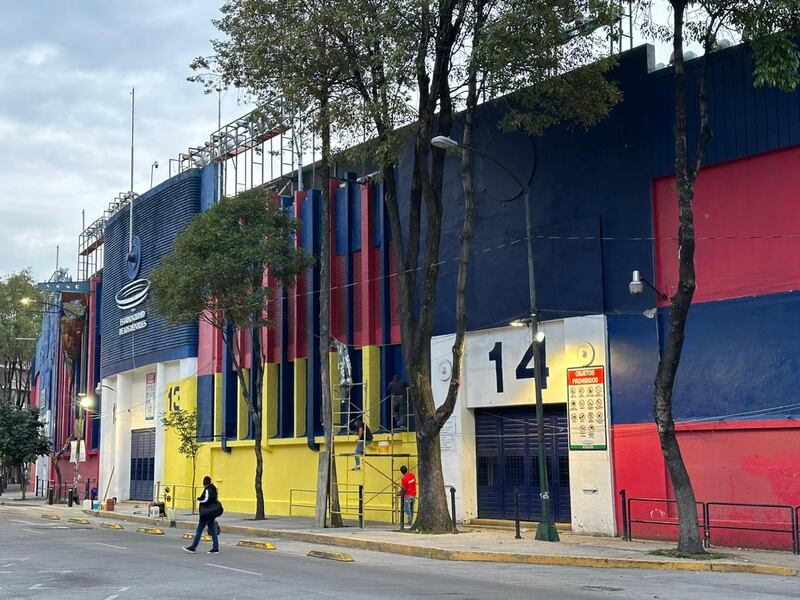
(745, 120)
(158, 216)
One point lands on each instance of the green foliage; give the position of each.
(184, 424)
(216, 271)
(22, 436)
(20, 317)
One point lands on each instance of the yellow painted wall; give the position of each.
(290, 467)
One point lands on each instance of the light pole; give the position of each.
(153, 166)
(84, 404)
(546, 531)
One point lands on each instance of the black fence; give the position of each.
(709, 518)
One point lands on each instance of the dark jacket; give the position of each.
(210, 506)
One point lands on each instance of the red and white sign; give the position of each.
(586, 401)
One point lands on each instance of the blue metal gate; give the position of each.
(508, 460)
(143, 462)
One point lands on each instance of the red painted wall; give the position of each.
(754, 462)
(751, 204)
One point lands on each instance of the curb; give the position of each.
(481, 556)
(340, 556)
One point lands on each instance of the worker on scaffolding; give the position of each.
(396, 390)
(363, 439)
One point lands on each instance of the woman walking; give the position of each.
(210, 510)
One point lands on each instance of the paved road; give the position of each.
(41, 559)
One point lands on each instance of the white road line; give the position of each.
(32, 531)
(57, 572)
(232, 569)
(112, 596)
(11, 564)
(39, 586)
(111, 546)
(6, 572)
(23, 522)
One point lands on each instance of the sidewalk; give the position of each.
(470, 545)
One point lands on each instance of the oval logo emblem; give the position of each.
(133, 294)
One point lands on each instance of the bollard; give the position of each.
(517, 535)
(625, 532)
(361, 506)
(453, 507)
(402, 507)
(50, 495)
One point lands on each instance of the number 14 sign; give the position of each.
(588, 423)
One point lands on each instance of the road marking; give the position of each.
(23, 522)
(32, 531)
(111, 546)
(11, 564)
(6, 572)
(112, 596)
(39, 586)
(232, 569)
(58, 572)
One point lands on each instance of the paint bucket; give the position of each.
(383, 447)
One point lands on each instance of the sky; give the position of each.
(66, 71)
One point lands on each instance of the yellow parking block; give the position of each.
(150, 530)
(190, 537)
(77, 521)
(255, 544)
(111, 526)
(51, 517)
(340, 556)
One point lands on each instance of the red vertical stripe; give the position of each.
(369, 304)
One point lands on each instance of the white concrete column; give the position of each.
(591, 480)
(108, 401)
(121, 482)
(161, 388)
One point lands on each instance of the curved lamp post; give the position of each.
(546, 531)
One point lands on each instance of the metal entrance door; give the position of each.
(143, 463)
(508, 460)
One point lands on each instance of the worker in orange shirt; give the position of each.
(408, 490)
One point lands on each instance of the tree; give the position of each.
(425, 51)
(304, 87)
(20, 322)
(772, 29)
(22, 438)
(184, 424)
(216, 273)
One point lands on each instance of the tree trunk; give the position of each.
(689, 537)
(256, 414)
(22, 479)
(194, 481)
(331, 482)
(433, 515)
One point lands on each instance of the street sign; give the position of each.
(588, 421)
(65, 286)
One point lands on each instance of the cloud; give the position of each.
(66, 71)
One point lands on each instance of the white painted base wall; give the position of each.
(122, 411)
(591, 475)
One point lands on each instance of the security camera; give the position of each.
(636, 286)
(155, 164)
(98, 391)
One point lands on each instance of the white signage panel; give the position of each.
(498, 366)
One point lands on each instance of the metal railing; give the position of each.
(169, 493)
(709, 521)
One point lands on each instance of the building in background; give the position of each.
(603, 206)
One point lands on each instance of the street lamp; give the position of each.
(84, 404)
(546, 531)
(637, 284)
